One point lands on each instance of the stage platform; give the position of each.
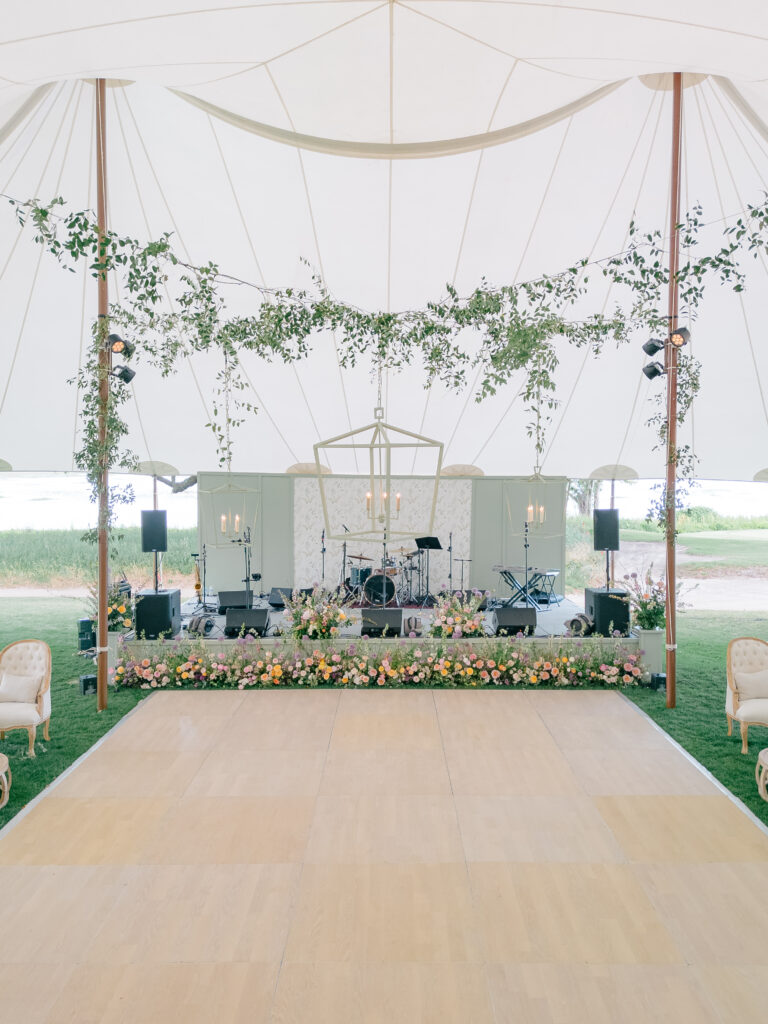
(425, 857)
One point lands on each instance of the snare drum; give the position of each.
(359, 574)
(379, 589)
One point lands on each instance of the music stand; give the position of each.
(428, 544)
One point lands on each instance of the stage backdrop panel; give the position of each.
(265, 504)
(499, 507)
(345, 498)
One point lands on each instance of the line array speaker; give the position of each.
(154, 530)
(606, 529)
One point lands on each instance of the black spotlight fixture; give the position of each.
(652, 346)
(124, 373)
(120, 346)
(679, 337)
(653, 370)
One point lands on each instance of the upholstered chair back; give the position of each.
(747, 654)
(27, 658)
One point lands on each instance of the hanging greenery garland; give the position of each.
(172, 309)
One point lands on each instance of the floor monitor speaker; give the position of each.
(277, 595)
(382, 622)
(608, 609)
(154, 530)
(233, 599)
(606, 529)
(511, 620)
(158, 614)
(246, 620)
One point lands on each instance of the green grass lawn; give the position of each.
(698, 722)
(735, 548)
(75, 723)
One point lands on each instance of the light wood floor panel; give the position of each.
(603, 994)
(404, 993)
(244, 772)
(535, 828)
(232, 830)
(371, 772)
(276, 857)
(566, 913)
(154, 994)
(383, 912)
(680, 828)
(716, 912)
(385, 829)
(631, 770)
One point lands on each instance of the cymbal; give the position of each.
(359, 558)
(402, 551)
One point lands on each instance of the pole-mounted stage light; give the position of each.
(653, 370)
(679, 337)
(120, 346)
(123, 373)
(652, 346)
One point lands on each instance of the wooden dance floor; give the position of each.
(384, 857)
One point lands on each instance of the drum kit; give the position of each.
(395, 581)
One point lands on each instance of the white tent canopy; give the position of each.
(396, 147)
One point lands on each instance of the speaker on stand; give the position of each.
(154, 535)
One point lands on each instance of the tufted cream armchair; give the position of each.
(25, 688)
(746, 698)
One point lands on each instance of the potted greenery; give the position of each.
(648, 601)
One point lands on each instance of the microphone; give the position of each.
(346, 528)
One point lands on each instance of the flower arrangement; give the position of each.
(647, 599)
(118, 612)
(247, 664)
(317, 615)
(456, 617)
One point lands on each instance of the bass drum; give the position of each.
(379, 589)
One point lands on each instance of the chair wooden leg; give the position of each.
(2, 735)
(32, 732)
(744, 740)
(5, 788)
(730, 724)
(46, 734)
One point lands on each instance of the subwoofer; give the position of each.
(158, 614)
(247, 620)
(606, 529)
(154, 530)
(510, 621)
(382, 621)
(608, 609)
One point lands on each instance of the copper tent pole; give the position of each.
(670, 364)
(104, 367)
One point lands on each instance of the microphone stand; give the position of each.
(322, 554)
(450, 565)
(526, 545)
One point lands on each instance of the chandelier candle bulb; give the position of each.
(368, 501)
(542, 515)
(529, 517)
(223, 524)
(237, 524)
(397, 502)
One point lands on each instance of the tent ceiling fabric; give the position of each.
(568, 140)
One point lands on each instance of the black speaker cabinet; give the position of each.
(87, 685)
(510, 621)
(606, 529)
(277, 595)
(246, 620)
(154, 530)
(608, 609)
(233, 599)
(382, 622)
(157, 614)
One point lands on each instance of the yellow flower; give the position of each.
(127, 623)
(185, 675)
(121, 609)
(534, 679)
(470, 671)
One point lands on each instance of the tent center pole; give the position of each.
(104, 368)
(670, 364)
